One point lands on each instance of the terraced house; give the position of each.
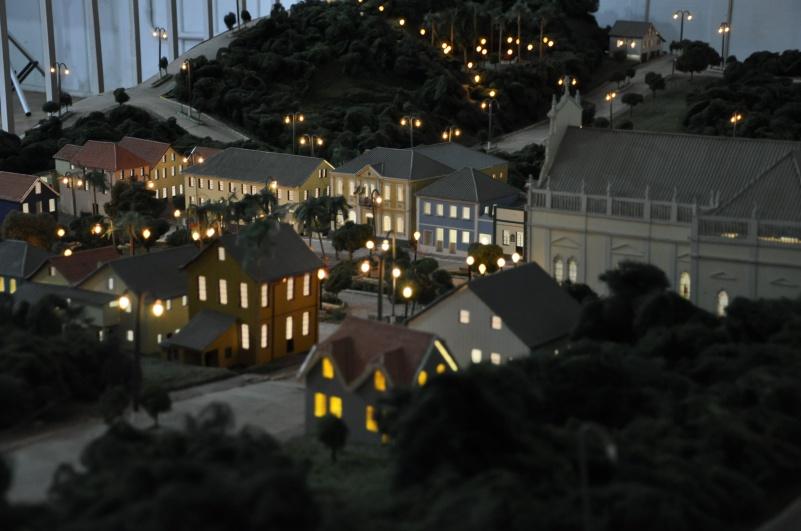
(249, 308)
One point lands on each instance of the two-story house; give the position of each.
(18, 261)
(639, 40)
(351, 371)
(164, 162)
(457, 210)
(501, 316)
(249, 308)
(70, 270)
(25, 193)
(382, 183)
(236, 172)
(155, 276)
(510, 228)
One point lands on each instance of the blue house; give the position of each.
(457, 210)
(25, 193)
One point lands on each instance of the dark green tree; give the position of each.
(333, 433)
(230, 20)
(156, 400)
(351, 237)
(36, 229)
(50, 107)
(632, 99)
(655, 82)
(120, 96)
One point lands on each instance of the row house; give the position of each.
(165, 164)
(25, 193)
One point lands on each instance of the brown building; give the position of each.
(249, 310)
(347, 374)
(164, 162)
(63, 270)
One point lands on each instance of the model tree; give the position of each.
(246, 16)
(230, 20)
(50, 107)
(36, 229)
(655, 82)
(333, 433)
(351, 237)
(697, 56)
(156, 400)
(632, 99)
(120, 96)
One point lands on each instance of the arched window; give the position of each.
(558, 269)
(684, 285)
(723, 302)
(572, 270)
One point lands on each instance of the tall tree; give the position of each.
(547, 11)
(519, 10)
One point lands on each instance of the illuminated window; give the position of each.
(440, 209)
(465, 212)
(572, 270)
(221, 254)
(475, 355)
(184, 300)
(495, 358)
(426, 208)
(264, 299)
(201, 288)
(440, 368)
(387, 222)
(558, 269)
(168, 304)
(319, 405)
(335, 406)
(223, 291)
(723, 302)
(52, 271)
(328, 368)
(2, 284)
(245, 336)
(379, 381)
(306, 284)
(422, 378)
(387, 192)
(12, 285)
(304, 324)
(684, 285)
(289, 328)
(264, 336)
(370, 422)
(290, 288)
(243, 294)
(453, 211)
(496, 322)
(464, 316)
(129, 335)
(110, 283)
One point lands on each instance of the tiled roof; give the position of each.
(151, 151)
(469, 185)
(107, 156)
(203, 153)
(67, 152)
(397, 163)
(157, 272)
(691, 167)
(288, 256)
(19, 259)
(81, 264)
(630, 28)
(258, 166)
(16, 186)
(33, 292)
(202, 330)
(359, 346)
(458, 156)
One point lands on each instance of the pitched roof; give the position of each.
(16, 186)
(258, 166)
(397, 163)
(33, 292)
(630, 28)
(202, 330)
(81, 264)
(288, 255)
(693, 167)
(151, 151)
(458, 156)
(359, 346)
(67, 152)
(204, 153)
(158, 272)
(469, 185)
(19, 259)
(106, 156)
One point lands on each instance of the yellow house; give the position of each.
(164, 162)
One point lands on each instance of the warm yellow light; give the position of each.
(620, 43)
(301, 118)
(176, 214)
(418, 123)
(458, 132)
(65, 181)
(365, 267)
(52, 69)
(689, 17)
(378, 200)
(483, 104)
(321, 274)
(183, 65)
(381, 8)
(67, 252)
(675, 16)
(422, 31)
(470, 260)
(422, 378)
(79, 183)
(444, 135)
(150, 184)
(402, 22)
(124, 302)
(403, 121)
(509, 40)
(479, 48)
(97, 229)
(470, 64)
(492, 93)
(274, 185)
(396, 272)
(483, 41)
(515, 258)
(407, 292)
(200, 160)
(66, 71)
(501, 262)
(484, 51)
(444, 45)
(509, 51)
(319, 141)
(287, 120)
(530, 47)
(195, 235)
(545, 40)
(416, 235)
(146, 233)
(303, 141)
(158, 308)
(573, 82)
(477, 78)
(209, 232)
(370, 245)
(185, 160)
(482, 268)
(385, 245)
(633, 44)
(60, 232)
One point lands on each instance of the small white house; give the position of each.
(639, 40)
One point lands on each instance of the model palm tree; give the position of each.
(519, 10)
(337, 206)
(431, 20)
(548, 10)
(131, 223)
(312, 214)
(97, 179)
(257, 239)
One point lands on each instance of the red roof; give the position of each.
(67, 152)
(150, 151)
(80, 264)
(107, 156)
(15, 186)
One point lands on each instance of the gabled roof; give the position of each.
(359, 347)
(689, 167)
(67, 152)
(19, 259)
(288, 256)
(630, 28)
(397, 163)
(458, 156)
(258, 166)
(469, 185)
(201, 331)
(80, 264)
(106, 156)
(201, 154)
(33, 292)
(157, 272)
(16, 186)
(151, 151)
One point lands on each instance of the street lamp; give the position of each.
(312, 140)
(293, 118)
(68, 252)
(567, 82)
(407, 294)
(470, 261)
(451, 132)
(416, 239)
(682, 14)
(489, 105)
(515, 258)
(321, 275)
(72, 179)
(124, 302)
(58, 69)
(724, 30)
(396, 273)
(97, 229)
(385, 247)
(60, 232)
(482, 269)
(146, 233)
(365, 267)
(610, 450)
(501, 263)
(610, 97)
(375, 199)
(161, 35)
(370, 244)
(734, 120)
(186, 66)
(412, 121)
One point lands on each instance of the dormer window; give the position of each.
(328, 369)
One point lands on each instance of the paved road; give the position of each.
(538, 133)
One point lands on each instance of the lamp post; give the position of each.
(57, 69)
(489, 105)
(611, 453)
(385, 246)
(734, 120)
(396, 273)
(72, 180)
(724, 30)
(293, 118)
(370, 244)
(321, 276)
(416, 239)
(375, 199)
(412, 121)
(186, 66)
(610, 97)
(515, 258)
(482, 269)
(682, 15)
(407, 294)
(161, 35)
(312, 140)
(501, 263)
(450, 132)
(124, 302)
(470, 261)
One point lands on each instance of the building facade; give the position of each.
(27, 194)
(510, 229)
(639, 40)
(164, 163)
(18, 261)
(60, 270)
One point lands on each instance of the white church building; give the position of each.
(720, 215)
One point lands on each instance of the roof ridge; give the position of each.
(753, 182)
(475, 183)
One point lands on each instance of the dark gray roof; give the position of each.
(774, 195)
(33, 292)
(630, 28)
(630, 162)
(458, 156)
(158, 272)
(397, 163)
(469, 185)
(20, 259)
(201, 331)
(258, 166)
(288, 256)
(534, 307)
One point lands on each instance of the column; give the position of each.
(210, 17)
(174, 27)
(6, 107)
(48, 48)
(95, 49)
(137, 40)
